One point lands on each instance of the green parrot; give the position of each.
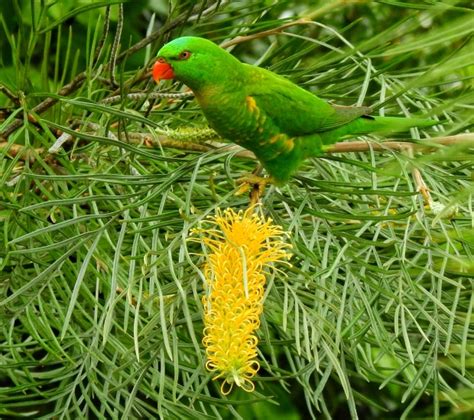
(281, 123)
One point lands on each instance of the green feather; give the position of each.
(280, 122)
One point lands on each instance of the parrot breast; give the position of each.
(238, 118)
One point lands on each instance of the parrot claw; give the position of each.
(253, 184)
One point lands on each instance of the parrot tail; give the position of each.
(369, 124)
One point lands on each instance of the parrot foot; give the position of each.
(253, 184)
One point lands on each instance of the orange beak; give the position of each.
(162, 71)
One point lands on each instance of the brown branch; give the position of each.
(115, 46)
(342, 147)
(153, 141)
(429, 144)
(366, 146)
(10, 95)
(17, 149)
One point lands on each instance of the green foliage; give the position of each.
(100, 307)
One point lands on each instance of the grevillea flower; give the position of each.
(241, 246)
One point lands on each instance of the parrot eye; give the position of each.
(184, 55)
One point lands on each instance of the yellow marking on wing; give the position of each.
(251, 104)
(274, 138)
(289, 144)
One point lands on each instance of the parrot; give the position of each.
(279, 121)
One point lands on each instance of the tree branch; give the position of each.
(342, 147)
(428, 144)
(151, 141)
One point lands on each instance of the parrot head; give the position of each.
(194, 61)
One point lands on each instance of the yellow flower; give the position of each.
(241, 246)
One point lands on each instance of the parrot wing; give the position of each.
(293, 110)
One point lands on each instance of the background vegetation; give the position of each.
(100, 308)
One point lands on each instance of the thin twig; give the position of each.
(329, 6)
(115, 46)
(16, 149)
(305, 20)
(428, 144)
(8, 93)
(420, 183)
(105, 32)
(263, 34)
